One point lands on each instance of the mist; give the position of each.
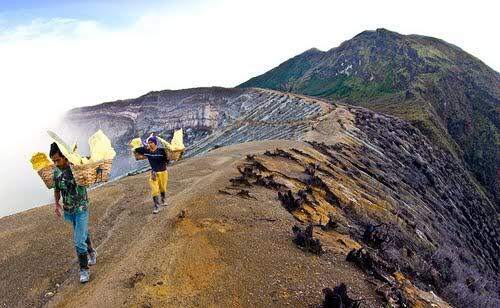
(21, 187)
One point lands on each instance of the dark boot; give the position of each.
(163, 201)
(92, 259)
(89, 244)
(156, 204)
(91, 251)
(84, 261)
(84, 268)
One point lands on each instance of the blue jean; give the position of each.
(80, 224)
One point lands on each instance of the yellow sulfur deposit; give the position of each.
(39, 161)
(100, 147)
(136, 143)
(177, 143)
(73, 157)
(165, 143)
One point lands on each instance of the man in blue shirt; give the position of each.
(158, 180)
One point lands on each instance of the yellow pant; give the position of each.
(160, 184)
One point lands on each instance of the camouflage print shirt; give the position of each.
(74, 197)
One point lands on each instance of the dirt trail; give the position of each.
(227, 252)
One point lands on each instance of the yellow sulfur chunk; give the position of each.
(74, 158)
(136, 143)
(39, 161)
(165, 143)
(100, 147)
(178, 141)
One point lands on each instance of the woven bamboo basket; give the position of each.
(175, 155)
(93, 173)
(47, 175)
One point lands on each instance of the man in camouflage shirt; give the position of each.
(75, 206)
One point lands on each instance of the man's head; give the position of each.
(152, 143)
(57, 157)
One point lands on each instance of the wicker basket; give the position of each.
(93, 173)
(175, 155)
(47, 175)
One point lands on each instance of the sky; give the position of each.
(57, 55)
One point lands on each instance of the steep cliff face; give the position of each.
(451, 96)
(280, 116)
(210, 117)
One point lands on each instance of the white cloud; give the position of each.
(38, 29)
